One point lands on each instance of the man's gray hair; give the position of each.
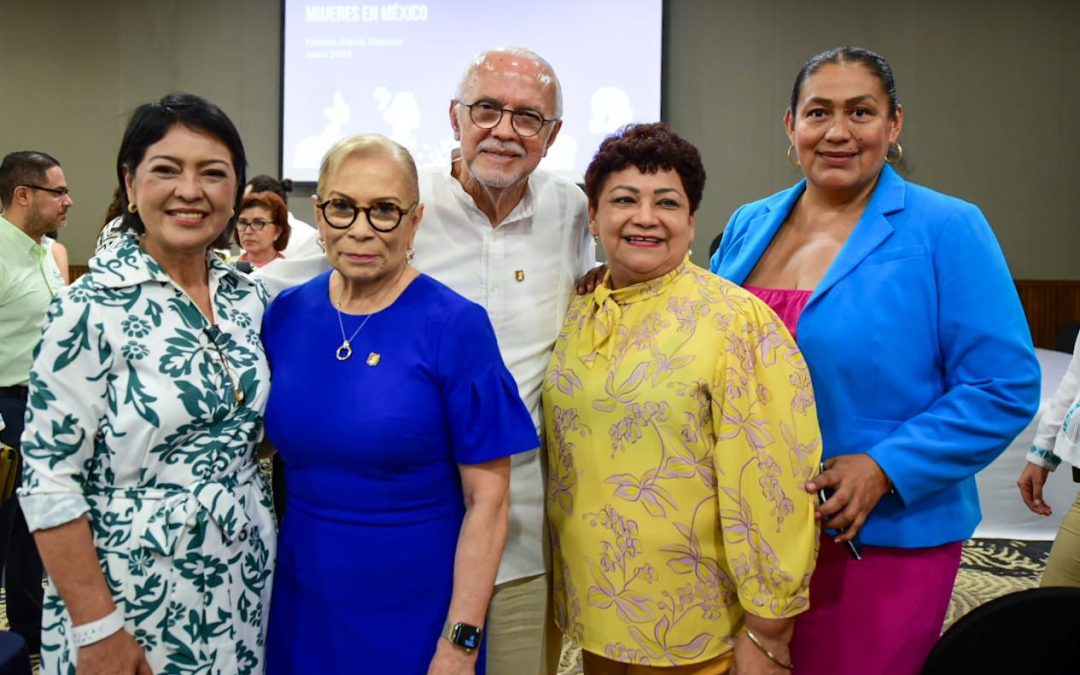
(547, 77)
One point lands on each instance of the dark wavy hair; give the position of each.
(152, 121)
(874, 62)
(279, 213)
(650, 148)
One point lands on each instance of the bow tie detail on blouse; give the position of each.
(604, 313)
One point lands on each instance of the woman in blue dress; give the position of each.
(395, 416)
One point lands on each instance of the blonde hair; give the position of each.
(366, 145)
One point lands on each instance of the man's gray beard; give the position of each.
(497, 180)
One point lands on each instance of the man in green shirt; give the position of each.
(35, 200)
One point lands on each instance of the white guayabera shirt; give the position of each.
(523, 273)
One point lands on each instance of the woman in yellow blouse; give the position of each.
(681, 428)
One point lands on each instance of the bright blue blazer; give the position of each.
(917, 346)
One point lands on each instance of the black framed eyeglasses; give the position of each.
(59, 192)
(487, 115)
(257, 224)
(340, 214)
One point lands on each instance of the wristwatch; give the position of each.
(463, 635)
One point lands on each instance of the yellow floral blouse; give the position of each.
(680, 428)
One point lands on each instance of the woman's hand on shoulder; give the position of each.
(857, 484)
(1031, 482)
(452, 660)
(591, 279)
(118, 654)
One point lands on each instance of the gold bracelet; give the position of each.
(764, 650)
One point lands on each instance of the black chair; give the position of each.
(1033, 632)
(13, 657)
(1066, 337)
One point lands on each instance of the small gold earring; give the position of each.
(131, 208)
(792, 158)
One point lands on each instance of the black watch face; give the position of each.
(467, 636)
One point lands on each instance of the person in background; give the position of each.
(35, 199)
(396, 418)
(145, 412)
(1057, 440)
(262, 229)
(111, 224)
(59, 253)
(901, 301)
(680, 429)
(302, 240)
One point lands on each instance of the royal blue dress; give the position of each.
(371, 447)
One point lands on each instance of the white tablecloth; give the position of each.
(1004, 514)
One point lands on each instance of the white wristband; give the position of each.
(96, 631)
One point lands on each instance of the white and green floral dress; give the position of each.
(134, 420)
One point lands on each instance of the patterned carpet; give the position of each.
(990, 568)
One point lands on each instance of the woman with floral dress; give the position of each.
(145, 411)
(680, 428)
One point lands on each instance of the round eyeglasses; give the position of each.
(487, 115)
(340, 214)
(257, 224)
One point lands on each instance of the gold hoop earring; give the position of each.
(898, 156)
(131, 208)
(792, 158)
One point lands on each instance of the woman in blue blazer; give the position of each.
(919, 353)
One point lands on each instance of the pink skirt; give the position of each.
(877, 616)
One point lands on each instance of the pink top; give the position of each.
(788, 303)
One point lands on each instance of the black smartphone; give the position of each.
(823, 496)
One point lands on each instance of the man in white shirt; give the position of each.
(514, 240)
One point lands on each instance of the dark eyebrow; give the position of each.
(820, 100)
(175, 160)
(631, 188)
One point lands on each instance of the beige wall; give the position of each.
(990, 89)
(72, 71)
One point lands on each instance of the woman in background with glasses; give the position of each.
(145, 410)
(395, 416)
(262, 229)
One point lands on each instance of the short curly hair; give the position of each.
(650, 148)
(279, 213)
